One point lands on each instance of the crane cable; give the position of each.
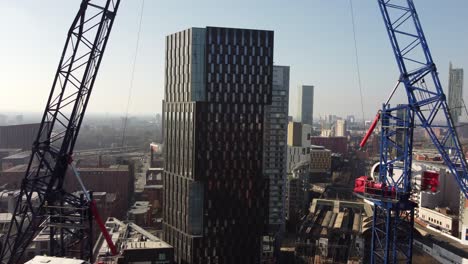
(357, 58)
(133, 73)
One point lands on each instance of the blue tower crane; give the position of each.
(426, 107)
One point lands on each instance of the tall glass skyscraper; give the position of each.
(275, 157)
(218, 83)
(455, 96)
(305, 111)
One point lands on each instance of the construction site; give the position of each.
(224, 174)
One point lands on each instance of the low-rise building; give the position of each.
(134, 244)
(335, 144)
(140, 213)
(5, 152)
(113, 179)
(15, 159)
(332, 232)
(55, 260)
(295, 156)
(320, 159)
(440, 218)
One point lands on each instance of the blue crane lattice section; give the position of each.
(418, 73)
(426, 106)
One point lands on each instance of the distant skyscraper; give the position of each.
(351, 119)
(455, 98)
(305, 111)
(275, 143)
(340, 128)
(218, 84)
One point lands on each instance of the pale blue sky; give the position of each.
(313, 37)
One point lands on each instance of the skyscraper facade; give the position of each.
(455, 96)
(340, 128)
(275, 143)
(218, 83)
(305, 111)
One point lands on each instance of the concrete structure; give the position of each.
(443, 248)
(441, 219)
(320, 159)
(294, 134)
(333, 232)
(218, 84)
(455, 95)
(136, 245)
(299, 134)
(296, 155)
(326, 132)
(140, 213)
(305, 104)
(275, 157)
(340, 128)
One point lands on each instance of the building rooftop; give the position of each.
(139, 207)
(451, 244)
(155, 169)
(10, 149)
(156, 186)
(316, 147)
(55, 260)
(5, 194)
(129, 235)
(5, 217)
(115, 167)
(17, 168)
(21, 155)
(145, 244)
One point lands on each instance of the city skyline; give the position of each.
(308, 41)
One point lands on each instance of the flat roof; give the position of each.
(146, 244)
(153, 186)
(20, 155)
(55, 260)
(9, 149)
(443, 241)
(115, 167)
(5, 217)
(155, 169)
(17, 168)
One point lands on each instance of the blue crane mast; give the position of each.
(393, 219)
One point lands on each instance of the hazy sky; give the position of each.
(313, 37)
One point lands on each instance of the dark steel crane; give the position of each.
(43, 204)
(426, 107)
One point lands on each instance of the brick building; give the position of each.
(335, 144)
(114, 179)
